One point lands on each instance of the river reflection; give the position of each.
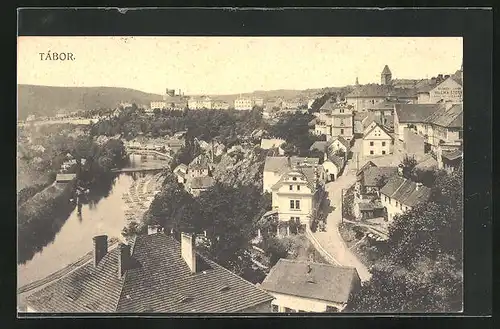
(101, 213)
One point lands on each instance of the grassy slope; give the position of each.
(47, 100)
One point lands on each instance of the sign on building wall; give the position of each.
(449, 90)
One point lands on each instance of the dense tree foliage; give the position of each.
(186, 154)
(408, 164)
(227, 214)
(294, 129)
(203, 124)
(420, 270)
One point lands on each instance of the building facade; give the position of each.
(244, 103)
(399, 195)
(377, 141)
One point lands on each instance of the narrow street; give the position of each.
(331, 240)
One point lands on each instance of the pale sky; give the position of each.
(229, 65)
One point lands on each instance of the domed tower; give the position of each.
(386, 76)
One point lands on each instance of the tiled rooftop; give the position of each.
(323, 282)
(158, 280)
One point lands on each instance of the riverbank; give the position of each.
(41, 217)
(139, 196)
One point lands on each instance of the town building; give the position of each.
(333, 165)
(405, 83)
(220, 105)
(293, 104)
(438, 123)
(335, 119)
(339, 143)
(365, 96)
(245, 103)
(447, 88)
(400, 194)
(449, 159)
(358, 124)
(181, 173)
(276, 166)
(272, 143)
(377, 140)
(335, 153)
(171, 101)
(299, 287)
(197, 176)
(296, 195)
(411, 115)
(200, 103)
(369, 180)
(155, 273)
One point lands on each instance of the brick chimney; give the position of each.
(187, 251)
(100, 248)
(400, 170)
(123, 258)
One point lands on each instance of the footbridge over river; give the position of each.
(163, 163)
(148, 152)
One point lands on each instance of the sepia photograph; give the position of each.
(240, 174)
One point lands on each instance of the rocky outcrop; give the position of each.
(242, 167)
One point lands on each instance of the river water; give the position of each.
(74, 239)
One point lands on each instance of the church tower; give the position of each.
(386, 76)
(357, 81)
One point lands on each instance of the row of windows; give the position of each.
(371, 152)
(398, 204)
(295, 204)
(291, 187)
(372, 143)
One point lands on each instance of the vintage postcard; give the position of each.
(240, 174)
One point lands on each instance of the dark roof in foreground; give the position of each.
(330, 283)
(405, 191)
(159, 282)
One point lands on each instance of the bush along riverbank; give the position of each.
(41, 217)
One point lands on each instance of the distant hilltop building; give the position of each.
(207, 102)
(171, 101)
(247, 103)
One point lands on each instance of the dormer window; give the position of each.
(294, 178)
